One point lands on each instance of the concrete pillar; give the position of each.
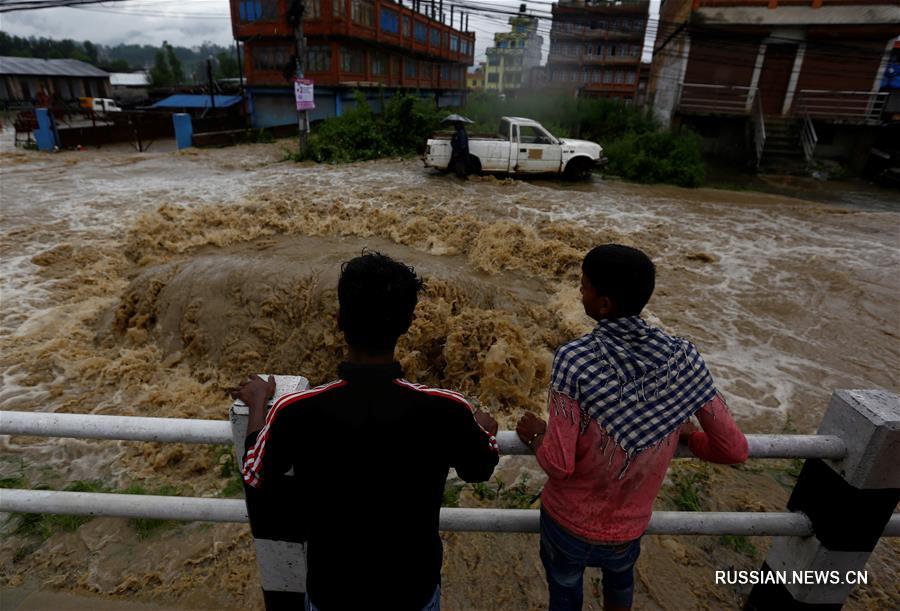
(280, 554)
(848, 501)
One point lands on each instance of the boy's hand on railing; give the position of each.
(530, 430)
(487, 422)
(254, 391)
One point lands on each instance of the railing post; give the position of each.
(849, 502)
(280, 555)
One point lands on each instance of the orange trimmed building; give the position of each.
(376, 46)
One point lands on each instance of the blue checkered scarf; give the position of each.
(637, 382)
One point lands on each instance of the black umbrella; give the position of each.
(454, 118)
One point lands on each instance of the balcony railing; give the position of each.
(859, 107)
(696, 98)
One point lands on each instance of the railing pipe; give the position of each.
(452, 518)
(181, 430)
(127, 428)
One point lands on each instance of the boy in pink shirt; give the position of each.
(620, 399)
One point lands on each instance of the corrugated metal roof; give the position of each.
(185, 100)
(30, 66)
(129, 79)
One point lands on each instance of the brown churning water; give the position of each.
(145, 284)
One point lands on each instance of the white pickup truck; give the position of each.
(521, 146)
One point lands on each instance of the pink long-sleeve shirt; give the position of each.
(584, 494)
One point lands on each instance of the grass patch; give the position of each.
(224, 457)
(688, 487)
(452, 490)
(147, 527)
(45, 525)
(517, 496)
(740, 544)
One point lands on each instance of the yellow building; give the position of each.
(514, 54)
(475, 80)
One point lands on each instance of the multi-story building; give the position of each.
(596, 47)
(475, 79)
(775, 80)
(376, 46)
(514, 54)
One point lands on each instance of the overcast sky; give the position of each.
(189, 22)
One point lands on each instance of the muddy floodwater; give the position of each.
(147, 283)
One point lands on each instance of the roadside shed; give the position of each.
(29, 80)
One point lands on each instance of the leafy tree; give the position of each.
(117, 65)
(226, 65)
(91, 51)
(160, 73)
(175, 68)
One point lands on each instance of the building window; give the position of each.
(611, 51)
(409, 68)
(257, 10)
(464, 47)
(272, 58)
(390, 21)
(405, 27)
(435, 37)
(421, 32)
(362, 12)
(445, 72)
(379, 65)
(620, 77)
(493, 60)
(352, 60)
(629, 78)
(501, 44)
(607, 76)
(493, 77)
(599, 50)
(454, 43)
(318, 59)
(589, 50)
(596, 76)
(585, 75)
(339, 8)
(312, 9)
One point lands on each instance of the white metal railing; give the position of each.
(759, 129)
(842, 106)
(176, 430)
(181, 430)
(452, 518)
(716, 99)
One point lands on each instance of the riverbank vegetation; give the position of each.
(637, 146)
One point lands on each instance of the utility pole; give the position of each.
(295, 14)
(209, 78)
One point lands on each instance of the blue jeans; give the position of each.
(432, 605)
(565, 558)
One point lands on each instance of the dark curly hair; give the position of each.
(377, 296)
(624, 274)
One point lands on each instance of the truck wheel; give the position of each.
(578, 169)
(474, 165)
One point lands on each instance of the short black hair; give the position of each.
(624, 274)
(376, 297)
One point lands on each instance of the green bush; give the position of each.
(671, 157)
(360, 134)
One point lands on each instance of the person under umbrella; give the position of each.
(459, 146)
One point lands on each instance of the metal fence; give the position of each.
(177, 430)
